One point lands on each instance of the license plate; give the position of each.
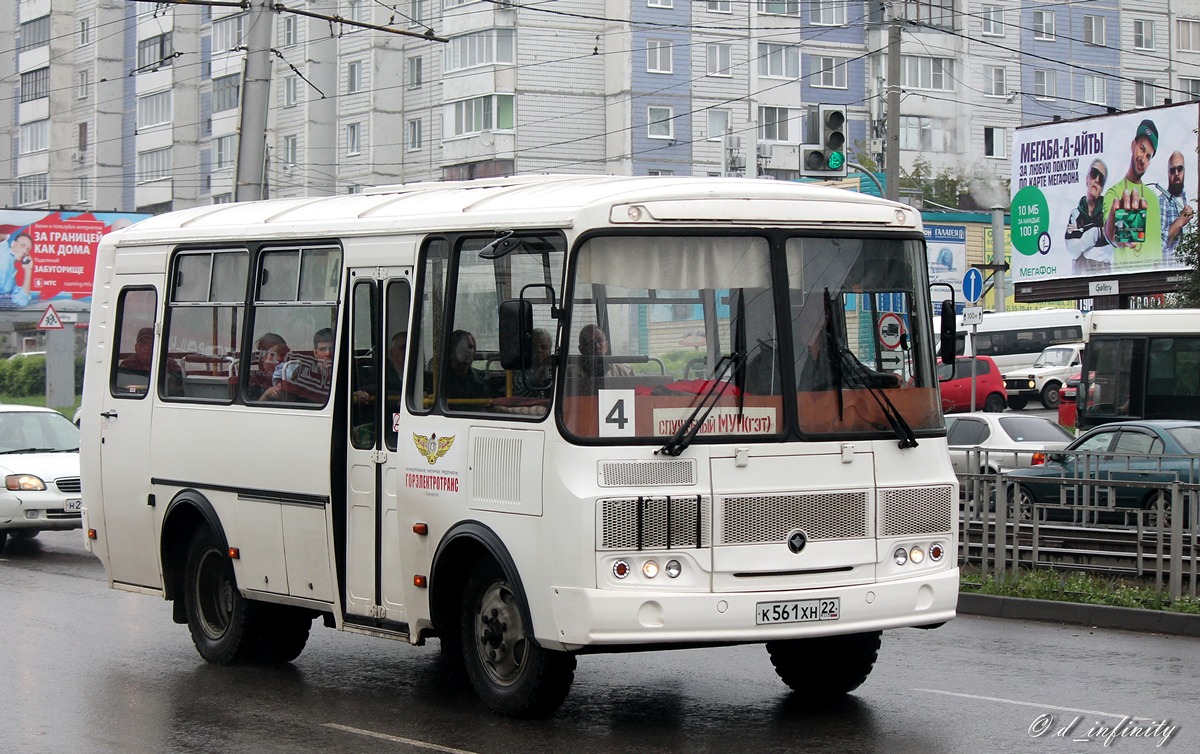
(798, 611)
(73, 506)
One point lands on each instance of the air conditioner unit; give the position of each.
(76, 157)
(733, 142)
(764, 151)
(737, 163)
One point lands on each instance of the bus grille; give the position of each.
(770, 518)
(68, 484)
(916, 510)
(647, 473)
(655, 522)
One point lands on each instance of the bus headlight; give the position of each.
(900, 556)
(916, 554)
(673, 569)
(650, 569)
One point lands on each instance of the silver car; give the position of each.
(1003, 441)
(39, 460)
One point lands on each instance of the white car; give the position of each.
(1004, 441)
(39, 460)
(1042, 381)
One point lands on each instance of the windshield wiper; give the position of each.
(691, 426)
(26, 450)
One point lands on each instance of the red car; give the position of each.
(955, 383)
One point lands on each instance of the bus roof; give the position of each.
(530, 201)
(1143, 321)
(993, 321)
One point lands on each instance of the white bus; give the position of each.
(1014, 340)
(680, 475)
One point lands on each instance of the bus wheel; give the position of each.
(511, 673)
(994, 404)
(282, 633)
(3, 540)
(1050, 397)
(841, 662)
(220, 620)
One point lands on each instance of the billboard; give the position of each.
(51, 256)
(1104, 195)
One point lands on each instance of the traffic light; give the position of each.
(827, 157)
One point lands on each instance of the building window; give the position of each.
(779, 7)
(228, 33)
(83, 84)
(1192, 87)
(34, 137)
(85, 31)
(995, 141)
(918, 133)
(290, 85)
(227, 91)
(290, 31)
(486, 47)
(660, 172)
(1043, 25)
(993, 21)
(81, 137)
(932, 12)
(778, 60)
(1143, 34)
(720, 6)
(720, 59)
(35, 84)
(1189, 35)
(660, 122)
(354, 79)
(1095, 89)
(415, 73)
(921, 72)
(659, 4)
(416, 12)
(1143, 93)
(414, 134)
(226, 151)
(658, 56)
(1044, 83)
(828, 13)
(355, 11)
(35, 33)
(1093, 30)
(31, 189)
(828, 72)
(353, 138)
(154, 109)
(773, 124)
(83, 191)
(488, 113)
(154, 165)
(222, 199)
(718, 124)
(155, 53)
(997, 81)
(291, 151)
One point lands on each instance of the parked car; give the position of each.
(1165, 450)
(1004, 441)
(954, 380)
(1042, 381)
(39, 459)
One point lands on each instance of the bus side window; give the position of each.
(134, 356)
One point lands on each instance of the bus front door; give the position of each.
(378, 333)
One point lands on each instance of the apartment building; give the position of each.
(115, 105)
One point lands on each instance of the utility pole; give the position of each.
(891, 149)
(256, 95)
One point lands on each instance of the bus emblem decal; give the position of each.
(796, 541)
(432, 447)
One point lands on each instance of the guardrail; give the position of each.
(1002, 534)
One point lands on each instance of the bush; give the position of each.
(26, 376)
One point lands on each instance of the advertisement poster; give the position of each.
(946, 246)
(1106, 195)
(51, 256)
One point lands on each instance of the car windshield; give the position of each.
(1055, 357)
(1033, 429)
(37, 431)
(1188, 438)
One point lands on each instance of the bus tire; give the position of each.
(994, 404)
(1049, 396)
(510, 672)
(282, 633)
(3, 539)
(841, 663)
(1016, 404)
(221, 621)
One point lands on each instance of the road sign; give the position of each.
(891, 327)
(50, 320)
(972, 285)
(972, 315)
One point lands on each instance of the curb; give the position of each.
(1098, 616)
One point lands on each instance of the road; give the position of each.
(91, 669)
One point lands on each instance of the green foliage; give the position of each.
(23, 375)
(1188, 252)
(1076, 586)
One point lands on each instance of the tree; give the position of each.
(1188, 252)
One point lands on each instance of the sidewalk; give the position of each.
(1099, 616)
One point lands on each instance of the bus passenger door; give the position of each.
(126, 435)
(379, 334)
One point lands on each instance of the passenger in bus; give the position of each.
(587, 375)
(303, 378)
(462, 379)
(141, 361)
(272, 352)
(538, 380)
(393, 376)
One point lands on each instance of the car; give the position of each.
(39, 459)
(1042, 381)
(954, 381)
(1142, 451)
(1003, 441)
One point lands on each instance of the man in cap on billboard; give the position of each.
(1131, 208)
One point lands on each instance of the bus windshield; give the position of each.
(667, 331)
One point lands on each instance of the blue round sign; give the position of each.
(972, 285)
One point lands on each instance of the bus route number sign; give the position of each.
(797, 611)
(616, 413)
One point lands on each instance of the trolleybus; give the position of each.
(530, 417)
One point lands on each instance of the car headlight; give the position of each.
(25, 482)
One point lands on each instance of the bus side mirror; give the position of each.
(949, 332)
(516, 334)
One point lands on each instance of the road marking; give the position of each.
(1032, 704)
(397, 739)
